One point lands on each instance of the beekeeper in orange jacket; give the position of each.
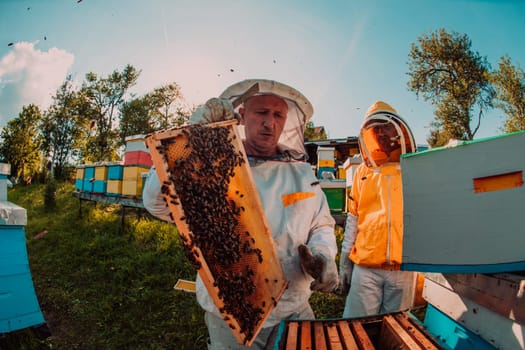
(373, 238)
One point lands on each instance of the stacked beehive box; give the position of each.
(137, 161)
(208, 188)
(136, 152)
(101, 176)
(89, 178)
(115, 176)
(79, 178)
(325, 162)
(19, 306)
(132, 180)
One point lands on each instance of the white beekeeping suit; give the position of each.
(294, 204)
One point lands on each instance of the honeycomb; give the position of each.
(208, 187)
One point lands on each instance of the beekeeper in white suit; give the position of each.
(273, 122)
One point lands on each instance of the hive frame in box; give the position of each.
(268, 277)
(396, 330)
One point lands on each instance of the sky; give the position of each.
(342, 55)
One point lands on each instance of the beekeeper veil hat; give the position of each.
(300, 110)
(374, 154)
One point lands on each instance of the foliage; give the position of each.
(164, 100)
(89, 124)
(444, 69)
(135, 118)
(103, 97)
(311, 132)
(161, 109)
(21, 141)
(509, 82)
(101, 289)
(62, 129)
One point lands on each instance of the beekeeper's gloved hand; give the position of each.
(322, 269)
(345, 273)
(214, 110)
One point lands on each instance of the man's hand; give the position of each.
(323, 270)
(345, 274)
(214, 110)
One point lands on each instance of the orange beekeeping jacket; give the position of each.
(376, 199)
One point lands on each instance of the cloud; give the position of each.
(29, 75)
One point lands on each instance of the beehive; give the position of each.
(463, 207)
(132, 180)
(241, 271)
(391, 331)
(79, 179)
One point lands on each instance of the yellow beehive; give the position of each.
(132, 188)
(114, 187)
(101, 172)
(258, 264)
(80, 173)
(132, 180)
(133, 172)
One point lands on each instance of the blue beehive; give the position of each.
(19, 306)
(101, 177)
(115, 171)
(115, 175)
(452, 335)
(79, 178)
(89, 178)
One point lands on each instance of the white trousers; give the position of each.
(377, 291)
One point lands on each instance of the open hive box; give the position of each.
(385, 332)
(209, 189)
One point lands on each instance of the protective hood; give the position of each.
(384, 136)
(300, 110)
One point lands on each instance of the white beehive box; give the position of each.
(464, 207)
(350, 165)
(5, 171)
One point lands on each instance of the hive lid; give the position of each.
(12, 214)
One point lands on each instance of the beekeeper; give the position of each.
(273, 121)
(373, 238)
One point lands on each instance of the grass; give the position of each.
(100, 288)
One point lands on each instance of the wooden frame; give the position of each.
(391, 331)
(258, 261)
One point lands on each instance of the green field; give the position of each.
(103, 288)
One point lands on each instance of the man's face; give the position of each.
(263, 118)
(387, 137)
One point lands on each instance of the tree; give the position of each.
(62, 129)
(167, 102)
(135, 118)
(21, 141)
(509, 82)
(104, 97)
(313, 133)
(444, 69)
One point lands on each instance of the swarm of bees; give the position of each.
(200, 176)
